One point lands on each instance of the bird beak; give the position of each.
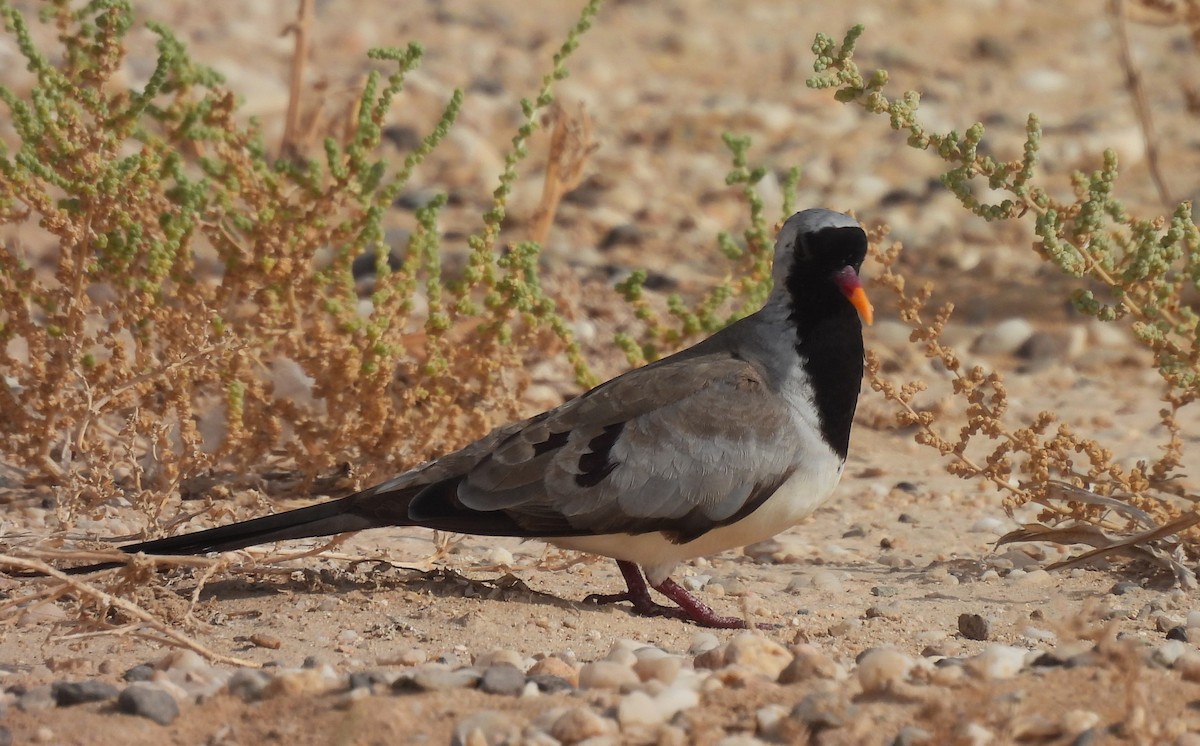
(847, 281)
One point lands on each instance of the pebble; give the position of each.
(999, 662)
(36, 699)
(823, 710)
(758, 654)
(485, 728)
(1123, 587)
(974, 627)
(911, 735)
(67, 693)
(1038, 577)
(607, 675)
(663, 668)
(547, 684)
(291, 683)
(1169, 652)
(503, 679)
(148, 701)
(988, 525)
(248, 684)
(975, 734)
(140, 672)
(436, 679)
(1005, 338)
(554, 666)
(579, 724)
(638, 713)
(811, 664)
(1188, 666)
(880, 669)
(368, 680)
(770, 721)
(827, 581)
(702, 642)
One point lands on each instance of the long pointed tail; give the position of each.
(325, 519)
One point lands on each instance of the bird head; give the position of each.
(818, 256)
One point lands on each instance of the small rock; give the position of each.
(769, 721)
(999, 662)
(975, 734)
(639, 713)
(607, 675)
(702, 642)
(148, 701)
(823, 710)
(676, 699)
(1004, 338)
(181, 660)
(579, 724)
(1169, 652)
(974, 627)
(248, 684)
(491, 658)
(503, 679)
(548, 684)
(811, 664)
(67, 693)
(485, 728)
(891, 612)
(987, 525)
(882, 668)
(1036, 577)
(1179, 633)
(406, 657)
(367, 680)
(1188, 666)
(140, 672)
(554, 666)
(1123, 587)
(828, 581)
(663, 668)
(758, 654)
(1075, 722)
(911, 735)
(36, 699)
(436, 680)
(299, 682)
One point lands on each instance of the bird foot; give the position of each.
(689, 607)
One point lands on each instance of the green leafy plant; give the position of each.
(1144, 265)
(177, 269)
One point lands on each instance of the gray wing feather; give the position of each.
(697, 435)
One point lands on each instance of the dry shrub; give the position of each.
(1144, 266)
(180, 302)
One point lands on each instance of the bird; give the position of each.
(720, 445)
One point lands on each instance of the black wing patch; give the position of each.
(598, 463)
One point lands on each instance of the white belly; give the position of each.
(795, 499)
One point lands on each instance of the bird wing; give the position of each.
(682, 447)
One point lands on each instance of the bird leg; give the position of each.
(689, 607)
(695, 609)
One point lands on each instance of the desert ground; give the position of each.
(896, 616)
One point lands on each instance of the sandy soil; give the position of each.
(900, 553)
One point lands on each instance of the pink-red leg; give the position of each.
(689, 607)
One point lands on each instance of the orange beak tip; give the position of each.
(866, 312)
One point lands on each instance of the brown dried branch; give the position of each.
(571, 145)
(1141, 105)
(106, 600)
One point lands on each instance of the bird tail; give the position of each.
(324, 519)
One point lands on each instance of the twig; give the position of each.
(1133, 81)
(291, 126)
(105, 599)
